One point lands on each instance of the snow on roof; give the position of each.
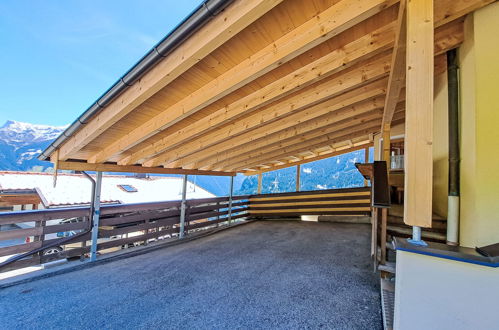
(75, 189)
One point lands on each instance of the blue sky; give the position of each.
(57, 57)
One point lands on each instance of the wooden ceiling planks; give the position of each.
(257, 84)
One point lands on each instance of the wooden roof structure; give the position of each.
(265, 84)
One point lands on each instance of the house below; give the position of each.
(28, 191)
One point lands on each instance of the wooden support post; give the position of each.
(259, 189)
(419, 114)
(386, 145)
(96, 216)
(384, 221)
(374, 238)
(182, 207)
(298, 177)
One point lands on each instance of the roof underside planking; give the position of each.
(264, 85)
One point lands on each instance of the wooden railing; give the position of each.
(65, 233)
(350, 201)
(120, 226)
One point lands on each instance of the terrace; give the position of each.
(256, 86)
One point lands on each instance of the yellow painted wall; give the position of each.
(479, 82)
(440, 146)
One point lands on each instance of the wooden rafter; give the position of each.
(352, 78)
(397, 74)
(350, 133)
(223, 27)
(340, 59)
(297, 130)
(301, 132)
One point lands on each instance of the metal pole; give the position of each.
(416, 237)
(366, 160)
(96, 215)
(230, 197)
(454, 158)
(182, 206)
(298, 177)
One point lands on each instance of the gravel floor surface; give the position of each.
(264, 275)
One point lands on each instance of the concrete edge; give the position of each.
(69, 267)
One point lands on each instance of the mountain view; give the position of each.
(21, 143)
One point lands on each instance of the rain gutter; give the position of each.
(200, 16)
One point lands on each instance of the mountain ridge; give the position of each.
(21, 143)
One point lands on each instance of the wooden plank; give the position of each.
(397, 74)
(81, 166)
(331, 200)
(313, 203)
(215, 33)
(387, 143)
(329, 23)
(325, 195)
(41, 215)
(139, 238)
(419, 114)
(15, 249)
(318, 211)
(20, 233)
(384, 217)
(305, 206)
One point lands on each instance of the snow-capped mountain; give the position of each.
(21, 143)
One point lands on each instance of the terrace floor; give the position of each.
(266, 274)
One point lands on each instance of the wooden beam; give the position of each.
(418, 156)
(309, 160)
(219, 30)
(304, 132)
(344, 135)
(326, 139)
(331, 22)
(82, 166)
(387, 144)
(298, 131)
(285, 116)
(352, 78)
(259, 187)
(337, 60)
(397, 74)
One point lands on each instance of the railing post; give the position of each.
(96, 216)
(298, 177)
(366, 160)
(182, 207)
(230, 198)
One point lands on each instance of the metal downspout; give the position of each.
(454, 157)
